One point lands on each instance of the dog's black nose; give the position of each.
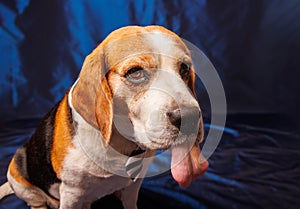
(175, 117)
(185, 119)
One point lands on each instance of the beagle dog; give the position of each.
(134, 95)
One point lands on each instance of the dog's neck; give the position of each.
(93, 136)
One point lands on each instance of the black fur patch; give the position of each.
(21, 162)
(33, 160)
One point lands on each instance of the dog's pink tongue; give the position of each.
(187, 165)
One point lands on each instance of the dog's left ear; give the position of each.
(92, 97)
(191, 82)
(191, 85)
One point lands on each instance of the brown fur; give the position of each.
(14, 172)
(62, 138)
(91, 96)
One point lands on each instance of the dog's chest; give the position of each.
(85, 171)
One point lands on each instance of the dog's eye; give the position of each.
(136, 75)
(185, 70)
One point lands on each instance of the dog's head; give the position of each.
(140, 80)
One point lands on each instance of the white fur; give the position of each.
(160, 43)
(5, 190)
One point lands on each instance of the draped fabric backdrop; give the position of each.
(254, 46)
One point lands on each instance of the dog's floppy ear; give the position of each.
(191, 82)
(191, 85)
(92, 97)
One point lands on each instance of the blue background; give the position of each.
(253, 44)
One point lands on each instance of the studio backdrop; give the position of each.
(253, 44)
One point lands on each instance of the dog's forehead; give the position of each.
(164, 44)
(156, 43)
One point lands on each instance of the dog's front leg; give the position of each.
(72, 197)
(129, 195)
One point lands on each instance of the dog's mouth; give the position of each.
(187, 163)
(162, 138)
